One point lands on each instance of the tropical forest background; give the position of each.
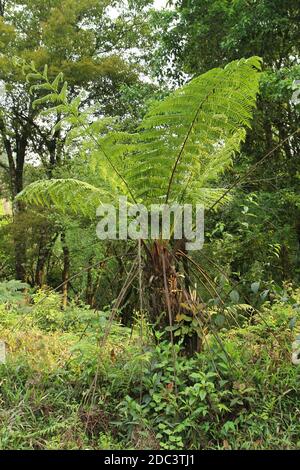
(140, 344)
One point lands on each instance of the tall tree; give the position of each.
(79, 38)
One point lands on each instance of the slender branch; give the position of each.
(167, 294)
(185, 142)
(130, 278)
(252, 168)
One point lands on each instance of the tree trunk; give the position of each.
(168, 292)
(20, 243)
(44, 253)
(66, 270)
(15, 170)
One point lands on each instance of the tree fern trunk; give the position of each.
(165, 304)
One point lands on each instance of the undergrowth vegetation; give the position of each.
(149, 225)
(65, 385)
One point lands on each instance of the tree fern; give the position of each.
(182, 145)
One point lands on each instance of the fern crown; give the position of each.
(180, 148)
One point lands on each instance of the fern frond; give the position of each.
(187, 140)
(207, 197)
(66, 195)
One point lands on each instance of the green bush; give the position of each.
(63, 388)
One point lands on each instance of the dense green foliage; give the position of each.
(127, 344)
(191, 135)
(198, 35)
(241, 396)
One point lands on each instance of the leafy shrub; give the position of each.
(11, 292)
(48, 314)
(177, 402)
(237, 387)
(63, 388)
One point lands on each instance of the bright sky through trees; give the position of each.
(160, 3)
